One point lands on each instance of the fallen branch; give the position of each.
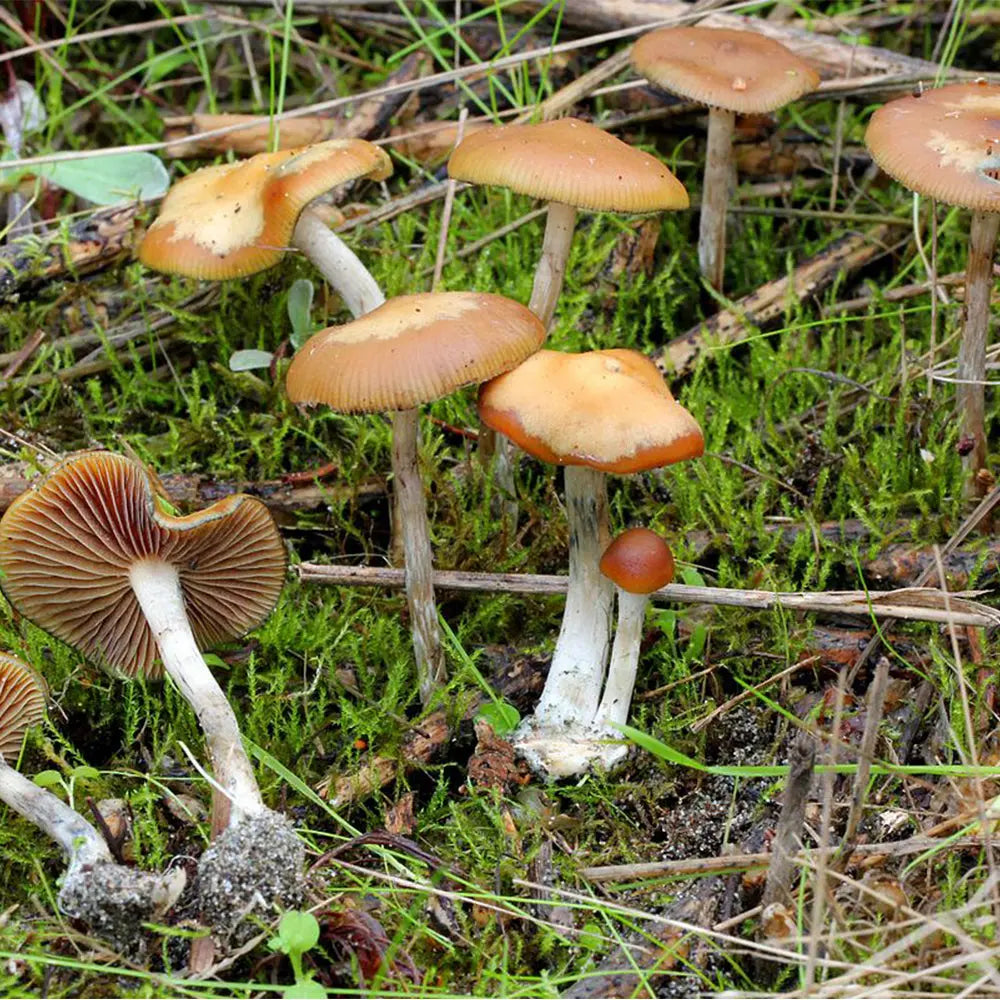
(912, 603)
(767, 303)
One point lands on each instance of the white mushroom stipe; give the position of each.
(560, 221)
(157, 588)
(338, 263)
(617, 697)
(112, 900)
(719, 180)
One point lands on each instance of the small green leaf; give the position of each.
(590, 936)
(244, 361)
(306, 990)
(84, 772)
(502, 716)
(297, 932)
(692, 577)
(108, 180)
(299, 306)
(48, 779)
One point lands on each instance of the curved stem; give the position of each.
(971, 391)
(617, 697)
(411, 511)
(715, 196)
(80, 841)
(157, 587)
(551, 269)
(573, 686)
(338, 263)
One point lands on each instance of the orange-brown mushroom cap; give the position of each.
(568, 161)
(23, 693)
(639, 561)
(740, 71)
(236, 219)
(412, 350)
(944, 143)
(610, 410)
(68, 543)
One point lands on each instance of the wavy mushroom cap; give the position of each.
(943, 143)
(639, 561)
(724, 68)
(236, 219)
(23, 693)
(568, 161)
(67, 546)
(412, 350)
(610, 410)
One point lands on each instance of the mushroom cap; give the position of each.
(236, 219)
(23, 693)
(568, 161)
(639, 561)
(68, 543)
(724, 68)
(944, 143)
(610, 410)
(412, 350)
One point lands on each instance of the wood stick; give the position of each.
(913, 604)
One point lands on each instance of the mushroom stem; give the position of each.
(158, 590)
(972, 351)
(80, 841)
(551, 270)
(573, 686)
(715, 193)
(411, 511)
(617, 697)
(338, 263)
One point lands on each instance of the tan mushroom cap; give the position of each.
(724, 68)
(23, 693)
(236, 219)
(568, 161)
(944, 143)
(639, 561)
(412, 350)
(67, 545)
(610, 410)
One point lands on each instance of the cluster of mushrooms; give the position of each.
(95, 555)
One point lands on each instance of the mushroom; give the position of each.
(638, 562)
(732, 72)
(236, 219)
(945, 143)
(92, 555)
(597, 412)
(111, 899)
(412, 350)
(572, 165)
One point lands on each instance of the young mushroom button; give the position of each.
(598, 412)
(111, 899)
(92, 555)
(732, 72)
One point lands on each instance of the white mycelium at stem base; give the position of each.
(338, 264)
(156, 585)
(573, 686)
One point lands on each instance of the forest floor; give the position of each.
(833, 462)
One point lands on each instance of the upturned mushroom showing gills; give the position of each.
(594, 413)
(92, 555)
(945, 143)
(236, 219)
(413, 350)
(571, 165)
(733, 72)
(111, 899)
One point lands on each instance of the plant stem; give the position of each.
(573, 686)
(715, 194)
(971, 392)
(338, 263)
(157, 588)
(411, 511)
